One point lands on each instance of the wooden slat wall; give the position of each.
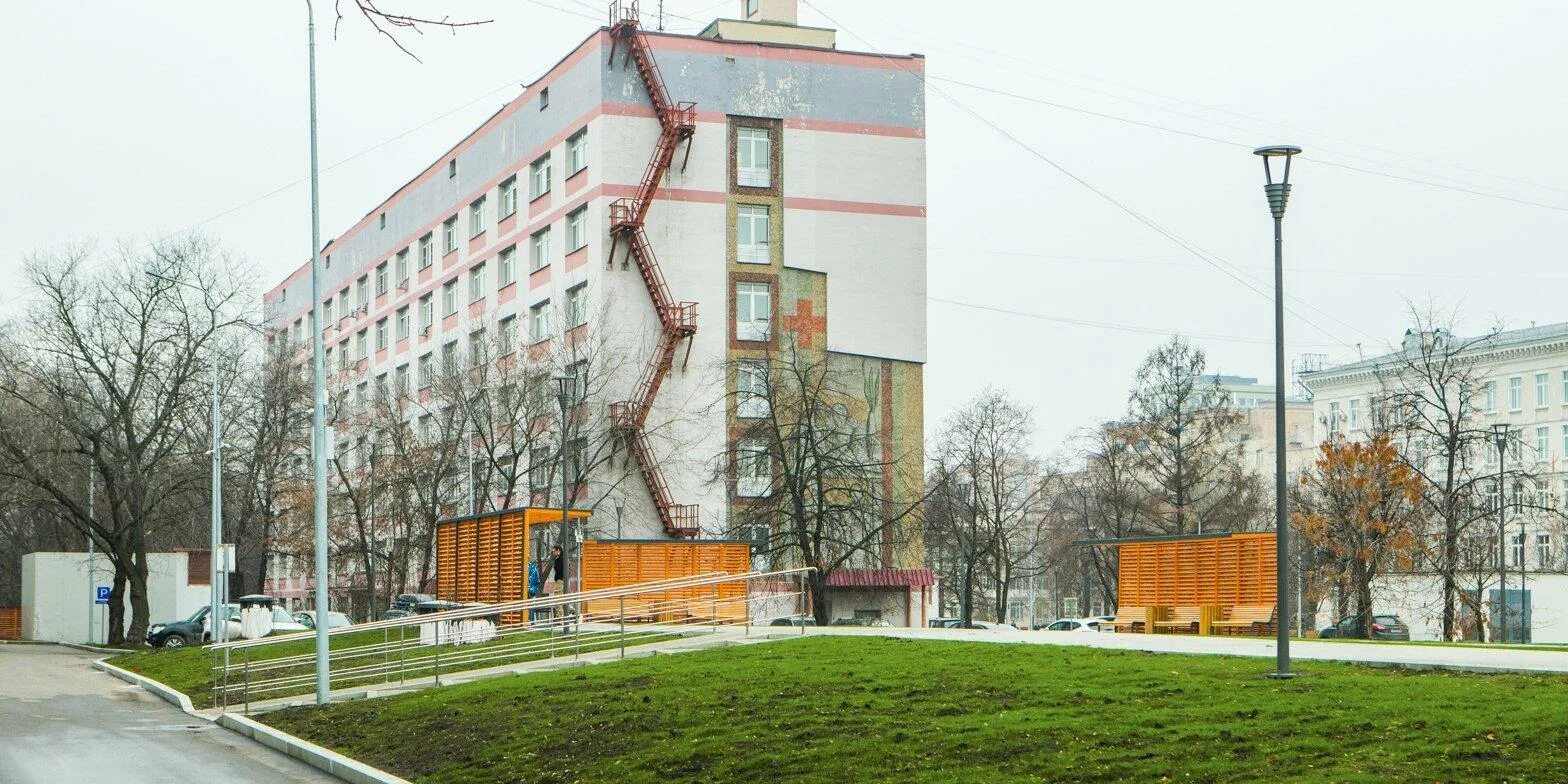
(1238, 569)
(610, 564)
(10, 623)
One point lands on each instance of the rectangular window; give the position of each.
(402, 323)
(541, 251)
(343, 355)
(427, 370)
(1543, 444)
(506, 268)
(539, 321)
(1490, 395)
(1542, 390)
(361, 345)
(1355, 413)
(753, 158)
(751, 234)
(343, 303)
(1516, 550)
(753, 311)
(577, 305)
(381, 387)
(1565, 387)
(476, 283)
(577, 152)
(751, 7)
(753, 468)
(477, 350)
(401, 272)
(381, 335)
(506, 340)
(427, 251)
(1333, 417)
(326, 312)
(427, 313)
(476, 218)
(400, 381)
(751, 389)
(362, 393)
(1515, 393)
(449, 298)
(1543, 551)
(539, 177)
(577, 229)
(539, 469)
(508, 198)
(381, 278)
(362, 292)
(449, 357)
(1516, 443)
(449, 234)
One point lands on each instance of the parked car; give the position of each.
(178, 634)
(1384, 627)
(877, 622)
(1071, 625)
(944, 623)
(794, 620)
(410, 601)
(335, 620)
(993, 627)
(396, 612)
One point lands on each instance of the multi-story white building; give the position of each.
(688, 199)
(1254, 401)
(1522, 380)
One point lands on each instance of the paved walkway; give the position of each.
(1457, 657)
(63, 721)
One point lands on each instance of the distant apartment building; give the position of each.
(1522, 379)
(1254, 401)
(692, 200)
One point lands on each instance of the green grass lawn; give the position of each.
(189, 670)
(855, 709)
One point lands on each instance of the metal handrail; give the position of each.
(523, 605)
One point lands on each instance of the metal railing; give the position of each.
(423, 648)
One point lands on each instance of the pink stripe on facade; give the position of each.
(865, 129)
(864, 208)
(907, 62)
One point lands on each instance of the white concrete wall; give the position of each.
(1417, 600)
(56, 593)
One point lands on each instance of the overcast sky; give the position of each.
(126, 119)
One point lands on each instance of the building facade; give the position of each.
(1254, 402)
(685, 202)
(1521, 384)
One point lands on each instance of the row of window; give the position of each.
(1543, 386)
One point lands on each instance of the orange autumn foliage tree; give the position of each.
(1361, 505)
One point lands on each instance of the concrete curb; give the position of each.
(93, 648)
(323, 759)
(169, 695)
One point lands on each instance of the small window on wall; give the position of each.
(751, 389)
(753, 468)
(753, 311)
(753, 158)
(752, 223)
(577, 152)
(508, 198)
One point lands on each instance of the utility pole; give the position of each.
(370, 558)
(318, 373)
(1500, 438)
(92, 587)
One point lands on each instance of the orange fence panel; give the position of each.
(10, 623)
(1237, 569)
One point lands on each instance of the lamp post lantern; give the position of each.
(1500, 438)
(1278, 193)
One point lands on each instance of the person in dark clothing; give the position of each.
(558, 568)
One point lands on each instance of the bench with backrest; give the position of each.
(1181, 620)
(1127, 618)
(1245, 619)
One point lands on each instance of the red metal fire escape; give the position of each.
(677, 320)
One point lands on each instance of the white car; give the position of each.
(993, 627)
(1074, 625)
(335, 620)
(281, 622)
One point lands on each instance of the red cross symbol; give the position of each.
(804, 324)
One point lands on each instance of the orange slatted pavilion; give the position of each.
(1218, 569)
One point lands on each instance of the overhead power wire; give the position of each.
(1114, 327)
(1150, 223)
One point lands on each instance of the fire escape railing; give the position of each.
(677, 320)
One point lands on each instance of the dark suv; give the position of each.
(1384, 627)
(179, 634)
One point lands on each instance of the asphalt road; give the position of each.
(62, 721)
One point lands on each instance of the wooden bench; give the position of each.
(1182, 620)
(1127, 617)
(1255, 619)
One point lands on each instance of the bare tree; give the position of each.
(807, 472)
(106, 367)
(1182, 421)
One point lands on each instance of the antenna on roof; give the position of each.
(661, 16)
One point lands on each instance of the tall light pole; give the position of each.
(1500, 438)
(1278, 192)
(318, 425)
(566, 395)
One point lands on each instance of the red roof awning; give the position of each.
(881, 578)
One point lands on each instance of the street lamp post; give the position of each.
(566, 395)
(1500, 438)
(318, 378)
(1278, 193)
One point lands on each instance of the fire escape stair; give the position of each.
(677, 320)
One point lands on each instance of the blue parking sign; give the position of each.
(103, 594)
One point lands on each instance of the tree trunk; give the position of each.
(817, 596)
(139, 606)
(966, 600)
(116, 630)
